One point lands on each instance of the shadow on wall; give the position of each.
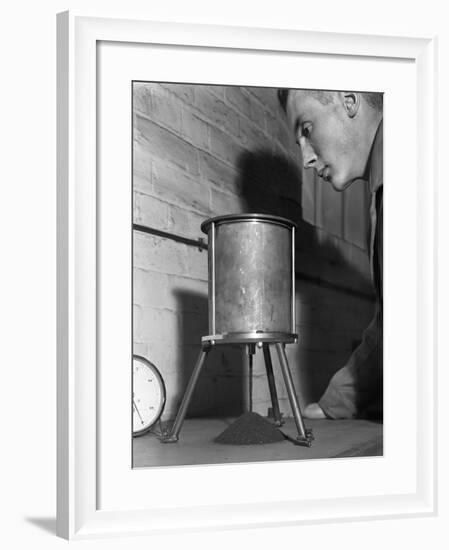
(270, 184)
(220, 388)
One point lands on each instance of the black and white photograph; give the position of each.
(257, 274)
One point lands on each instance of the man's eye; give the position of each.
(306, 130)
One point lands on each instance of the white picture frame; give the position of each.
(80, 510)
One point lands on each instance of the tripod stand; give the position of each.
(304, 437)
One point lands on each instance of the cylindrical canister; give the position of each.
(251, 261)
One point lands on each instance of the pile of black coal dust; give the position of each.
(250, 429)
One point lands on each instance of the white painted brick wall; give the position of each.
(177, 187)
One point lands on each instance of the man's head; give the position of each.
(335, 131)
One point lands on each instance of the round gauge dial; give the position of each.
(148, 395)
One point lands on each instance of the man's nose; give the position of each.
(309, 156)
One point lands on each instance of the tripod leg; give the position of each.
(304, 436)
(272, 385)
(173, 436)
(251, 351)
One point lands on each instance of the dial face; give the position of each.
(148, 395)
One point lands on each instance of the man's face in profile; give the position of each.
(329, 135)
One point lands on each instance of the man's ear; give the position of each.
(351, 103)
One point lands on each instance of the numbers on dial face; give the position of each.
(148, 395)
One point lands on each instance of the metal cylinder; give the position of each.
(251, 278)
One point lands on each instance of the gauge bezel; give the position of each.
(158, 375)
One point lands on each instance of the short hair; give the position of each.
(374, 99)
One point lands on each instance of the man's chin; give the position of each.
(340, 185)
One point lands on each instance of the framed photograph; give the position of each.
(179, 174)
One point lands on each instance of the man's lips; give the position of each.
(324, 173)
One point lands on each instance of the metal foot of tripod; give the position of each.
(304, 437)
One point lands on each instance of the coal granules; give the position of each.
(250, 429)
